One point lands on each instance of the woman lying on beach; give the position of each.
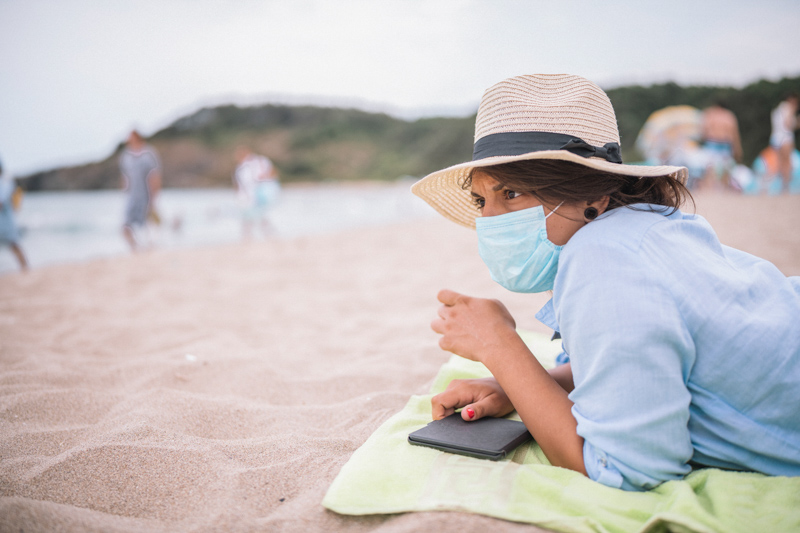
(678, 351)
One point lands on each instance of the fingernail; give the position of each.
(470, 413)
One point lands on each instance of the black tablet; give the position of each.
(485, 438)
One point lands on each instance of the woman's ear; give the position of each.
(601, 204)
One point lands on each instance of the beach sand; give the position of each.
(222, 389)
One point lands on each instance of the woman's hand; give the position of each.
(478, 397)
(483, 330)
(474, 328)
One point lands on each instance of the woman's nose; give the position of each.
(491, 209)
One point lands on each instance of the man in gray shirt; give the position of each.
(141, 174)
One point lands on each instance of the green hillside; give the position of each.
(306, 144)
(310, 143)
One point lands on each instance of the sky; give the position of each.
(77, 75)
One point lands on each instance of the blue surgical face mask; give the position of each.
(517, 251)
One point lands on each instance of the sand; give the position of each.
(222, 389)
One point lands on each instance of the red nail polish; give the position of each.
(470, 413)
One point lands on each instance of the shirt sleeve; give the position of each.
(563, 357)
(631, 355)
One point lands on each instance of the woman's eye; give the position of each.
(479, 202)
(511, 194)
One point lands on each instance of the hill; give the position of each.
(306, 144)
(310, 143)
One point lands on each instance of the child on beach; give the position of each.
(678, 351)
(258, 188)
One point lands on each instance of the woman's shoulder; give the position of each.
(659, 246)
(627, 228)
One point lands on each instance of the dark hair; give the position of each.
(554, 181)
(721, 102)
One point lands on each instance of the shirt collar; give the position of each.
(547, 315)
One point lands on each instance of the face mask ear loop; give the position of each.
(554, 210)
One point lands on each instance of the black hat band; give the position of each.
(523, 142)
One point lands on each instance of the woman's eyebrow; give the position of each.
(498, 187)
(476, 195)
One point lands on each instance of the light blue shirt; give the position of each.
(681, 349)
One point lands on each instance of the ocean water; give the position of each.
(68, 227)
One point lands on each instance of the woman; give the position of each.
(784, 122)
(678, 351)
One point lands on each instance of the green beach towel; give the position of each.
(388, 475)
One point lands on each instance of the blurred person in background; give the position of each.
(141, 175)
(784, 122)
(721, 144)
(257, 186)
(9, 234)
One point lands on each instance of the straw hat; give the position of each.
(540, 116)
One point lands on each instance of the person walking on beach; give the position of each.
(784, 122)
(678, 352)
(141, 175)
(9, 234)
(721, 144)
(258, 187)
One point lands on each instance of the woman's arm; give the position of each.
(483, 330)
(630, 348)
(563, 376)
(154, 183)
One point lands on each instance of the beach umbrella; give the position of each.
(668, 131)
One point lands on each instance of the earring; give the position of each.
(590, 213)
